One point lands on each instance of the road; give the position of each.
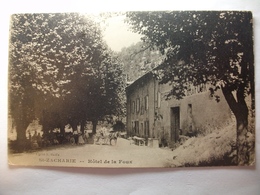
(123, 154)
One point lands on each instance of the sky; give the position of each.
(117, 34)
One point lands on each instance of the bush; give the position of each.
(119, 126)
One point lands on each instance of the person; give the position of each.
(86, 136)
(34, 137)
(80, 139)
(39, 140)
(101, 135)
(180, 131)
(30, 136)
(34, 143)
(76, 137)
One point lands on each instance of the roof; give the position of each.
(140, 80)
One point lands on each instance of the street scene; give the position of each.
(132, 89)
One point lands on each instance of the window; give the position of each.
(146, 102)
(133, 107)
(190, 116)
(158, 100)
(146, 128)
(136, 127)
(142, 129)
(133, 127)
(137, 105)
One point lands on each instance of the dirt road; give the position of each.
(123, 154)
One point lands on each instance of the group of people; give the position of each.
(35, 140)
(80, 138)
(46, 139)
(107, 136)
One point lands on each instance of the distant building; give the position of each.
(149, 115)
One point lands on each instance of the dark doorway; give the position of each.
(146, 128)
(175, 123)
(190, 117)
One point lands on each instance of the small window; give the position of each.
(133, 107)
(137, 105)
(136, 127)
(133, 126)
(190, 116)
(158, 99)
(146, 102)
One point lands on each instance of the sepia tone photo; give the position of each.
(132, 89)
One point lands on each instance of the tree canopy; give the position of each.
(60, 68)
(138, 59)
(213, 47)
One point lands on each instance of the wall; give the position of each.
(141, 89)
(207, 113)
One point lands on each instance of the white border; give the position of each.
(123, 181)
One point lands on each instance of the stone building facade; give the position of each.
(149, 115)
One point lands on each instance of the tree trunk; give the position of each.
(94, 123)
(82, 126)
(62, 129)
(21, 135)
(242, 143)
(74, 126)
(240, 110)
(45, 126)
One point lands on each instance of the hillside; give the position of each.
(214, 149)
(137, 60)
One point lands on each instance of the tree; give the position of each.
(205, 47)
(138, 59)
(107, 98)
(56, 63)
(119, 126)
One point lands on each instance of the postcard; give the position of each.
(143, 89)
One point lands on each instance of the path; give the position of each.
(123, 154)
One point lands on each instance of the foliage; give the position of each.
(119, 126)
(213, 149)
(213, 47)
(60, 71)
(204, 46)
(164, 137)
(138, 59)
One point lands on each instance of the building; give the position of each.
(149, 115)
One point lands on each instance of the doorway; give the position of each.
(175, 123)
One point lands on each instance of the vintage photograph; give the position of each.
(143, 89)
